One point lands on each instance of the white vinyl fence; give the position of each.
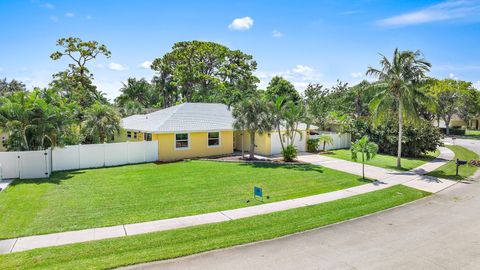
(340, 140)
(39, 164)
(25, 164)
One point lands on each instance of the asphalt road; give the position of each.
(439, 232)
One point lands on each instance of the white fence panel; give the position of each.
(66, 158)
(116, 154)
(35, 164)
(136, 152)
(10, 162)
(92, 156)
(340, 140)
(151, 151)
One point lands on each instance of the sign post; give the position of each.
(258, 192)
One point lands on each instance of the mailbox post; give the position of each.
(459, 163)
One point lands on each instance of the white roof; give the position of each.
(186, 117)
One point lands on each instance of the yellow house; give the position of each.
(188, 130)
(192, 130)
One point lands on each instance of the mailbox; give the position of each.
(460, 163)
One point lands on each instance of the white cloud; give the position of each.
(300, 76)
(70, 14)
(145, 64)
(47, 5)
(241, 24)
(277, 34)
(54, 19)
(117, 66)
(452, 76)
(444, 11)
(356, 74)
(477, 85)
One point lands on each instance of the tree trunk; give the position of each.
(252, 145)
(243, 150)
(363, 166)
(400, 134)
(447, 125)
(281, 139)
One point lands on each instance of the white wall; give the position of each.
(276, 146)
(340, 140)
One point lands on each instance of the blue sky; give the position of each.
(304, 41)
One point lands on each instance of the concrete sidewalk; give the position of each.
(386, 178)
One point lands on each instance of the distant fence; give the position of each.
(340, 140)
(39, 164)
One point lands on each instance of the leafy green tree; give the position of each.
(252, 115)
(137, 95)
(201, 71)
(448, 97)
(279, 87)
(325, 139)
(7, 88)
(75, 83)
(101, 124)
(398, 83)
(366, 149)
(318, 105)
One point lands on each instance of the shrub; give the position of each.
(312, 145)
(289, 153)
(417, 139)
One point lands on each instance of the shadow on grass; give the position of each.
(297, 167)
(55, 178)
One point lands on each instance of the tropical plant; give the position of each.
(289, 153)
(136, 94)
(399, 88)
(287, 118)
(251, 115)
(312, 145)
(35, 120)
(325, 139)
(366, 149)
(279, 87)
(101, 124)
(7, 88)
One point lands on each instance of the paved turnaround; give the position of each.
(438, 232)
(386, 178)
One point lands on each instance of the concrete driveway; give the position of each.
(439, 232)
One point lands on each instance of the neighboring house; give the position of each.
(192, 130)
(455, 122)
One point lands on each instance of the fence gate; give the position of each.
(26, 164)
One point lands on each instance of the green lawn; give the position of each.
(385, 161)
(471, 134)
(117, 252)
(448, 170)
(128, 194)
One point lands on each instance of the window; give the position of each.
(181, 140)
(213, 139)
(135, 135)
(147, 136)
(129, 134)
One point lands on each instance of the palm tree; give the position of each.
(398, 81)
(367, 149)
(251, 115)
(325, 139)
(101, 122)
